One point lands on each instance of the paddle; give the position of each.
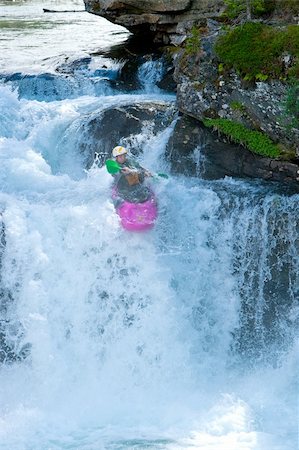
(113, 167)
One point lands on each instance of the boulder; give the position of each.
(120, 125)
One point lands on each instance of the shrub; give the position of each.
(192, 45)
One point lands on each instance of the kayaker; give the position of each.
(129, 180)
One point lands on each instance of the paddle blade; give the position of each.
(163, 175)
(112, 166)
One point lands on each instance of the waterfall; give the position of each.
(181, 337)
(93, 318)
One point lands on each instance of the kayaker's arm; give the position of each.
(142, 170)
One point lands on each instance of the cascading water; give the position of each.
(149, 74)
(180, 338)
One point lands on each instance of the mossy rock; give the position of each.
(256, 51)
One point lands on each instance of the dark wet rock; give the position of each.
(133, 55)
(120, 125)
(128, 79)
(167, 82)
(159, 72)
(194, 150)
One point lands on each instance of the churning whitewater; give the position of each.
(183, 337)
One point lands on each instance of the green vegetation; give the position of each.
(255, 141)
(192, 45)
(220, 68)
(256, 51)
(237, 106)
(257, 7)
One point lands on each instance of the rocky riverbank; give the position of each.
(264, 104)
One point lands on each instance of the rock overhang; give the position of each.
(161, 19)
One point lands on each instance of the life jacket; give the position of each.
(135, 177)
(132, 178)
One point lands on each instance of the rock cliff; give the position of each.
(165, 21)
(206, 89)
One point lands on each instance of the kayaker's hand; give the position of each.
(147, 173)
(126, 170)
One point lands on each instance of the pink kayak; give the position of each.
(138, 216)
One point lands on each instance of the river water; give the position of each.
(180, 338)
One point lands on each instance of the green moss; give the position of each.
(237, 106)
(234, 8)
(220, 68)
(255, 50)
(255, 141)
